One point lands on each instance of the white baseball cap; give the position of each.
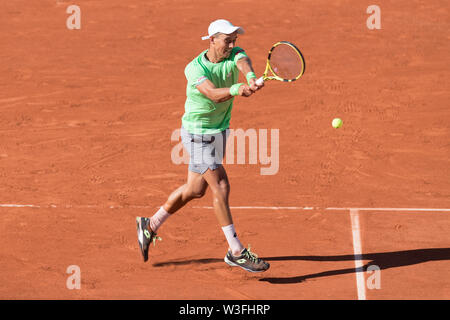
(222, 26)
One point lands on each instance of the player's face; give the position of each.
(224, 43)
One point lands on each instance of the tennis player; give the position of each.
(211, 87)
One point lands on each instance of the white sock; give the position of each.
(158, 219)
(233, 241)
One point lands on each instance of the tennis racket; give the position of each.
(285, 62)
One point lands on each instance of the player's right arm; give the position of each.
(208, 89)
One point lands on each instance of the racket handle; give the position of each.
(260, 81)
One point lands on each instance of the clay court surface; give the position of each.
(86, 118)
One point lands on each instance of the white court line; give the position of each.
(261, 208)
(13, 205)
(3, 205)
(393, 209)
(332, 208)
(357, 251)
(19, 206)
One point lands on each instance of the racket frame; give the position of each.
(269, 67)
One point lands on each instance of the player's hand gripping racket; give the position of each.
(285, 62)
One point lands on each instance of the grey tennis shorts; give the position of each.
(205, 150)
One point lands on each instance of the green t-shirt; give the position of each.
(202, 115)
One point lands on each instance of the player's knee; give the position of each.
(224, 187)
(221, 192)
(196, 193)
(199, 193)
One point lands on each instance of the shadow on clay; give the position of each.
(383, 260)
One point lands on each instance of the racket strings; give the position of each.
(286, 62)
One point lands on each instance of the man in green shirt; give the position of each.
(211, 87)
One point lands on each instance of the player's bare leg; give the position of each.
(195, 187)
(220, 187)
(237, 255)
(146, 227)
(218, 182)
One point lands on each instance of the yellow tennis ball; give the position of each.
(337, 123)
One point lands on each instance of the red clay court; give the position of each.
(85, 146)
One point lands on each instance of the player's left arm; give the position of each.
(245, 66)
